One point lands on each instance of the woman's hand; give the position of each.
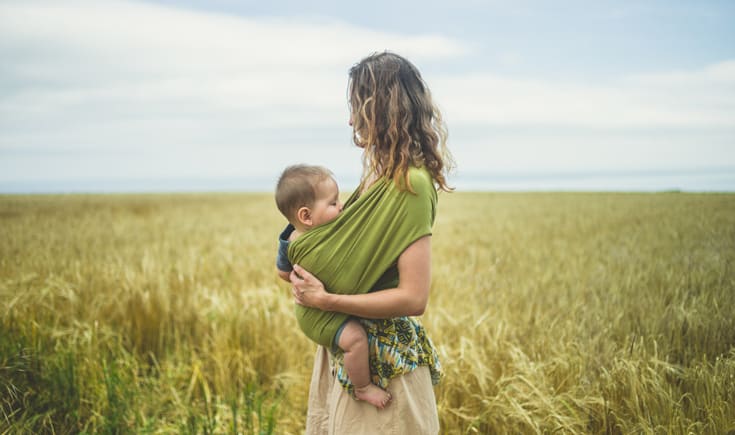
(307, 289)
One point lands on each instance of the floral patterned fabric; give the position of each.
(397, 346)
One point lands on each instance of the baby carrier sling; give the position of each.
(350, 254)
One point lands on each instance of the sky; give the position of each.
(222, 94)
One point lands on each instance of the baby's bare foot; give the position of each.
(374, 395)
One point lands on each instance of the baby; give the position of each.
(308, 196)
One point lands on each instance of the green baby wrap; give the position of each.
(355, 253)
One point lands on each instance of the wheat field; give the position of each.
(596, 313)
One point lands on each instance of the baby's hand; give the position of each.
(284, 275)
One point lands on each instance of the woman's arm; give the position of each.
(408, 299)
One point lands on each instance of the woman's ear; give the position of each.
(304, 216)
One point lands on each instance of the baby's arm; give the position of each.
(283, 265)
(284, 275)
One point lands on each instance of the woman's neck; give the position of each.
(368, 181)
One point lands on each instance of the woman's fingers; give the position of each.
(307, 288)
(299, 283)
(302, 273)
(297, 295)
(294, 277)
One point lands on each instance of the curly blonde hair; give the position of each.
(395, 121)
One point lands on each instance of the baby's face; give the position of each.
(327, 205)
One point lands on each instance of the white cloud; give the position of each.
(536, 150)
(73, 58)
(682, 119)
(126, 36)
(128, 89)
(722, 73)
(701, 98)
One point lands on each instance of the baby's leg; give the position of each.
(353, 341)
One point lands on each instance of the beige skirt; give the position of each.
(334, 412)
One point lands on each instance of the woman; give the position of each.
(404, 143)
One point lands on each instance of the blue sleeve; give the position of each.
(282, 262)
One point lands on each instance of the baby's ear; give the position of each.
(304, 216)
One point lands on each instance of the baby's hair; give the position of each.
(297, 187)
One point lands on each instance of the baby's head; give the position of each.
(307, 196)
